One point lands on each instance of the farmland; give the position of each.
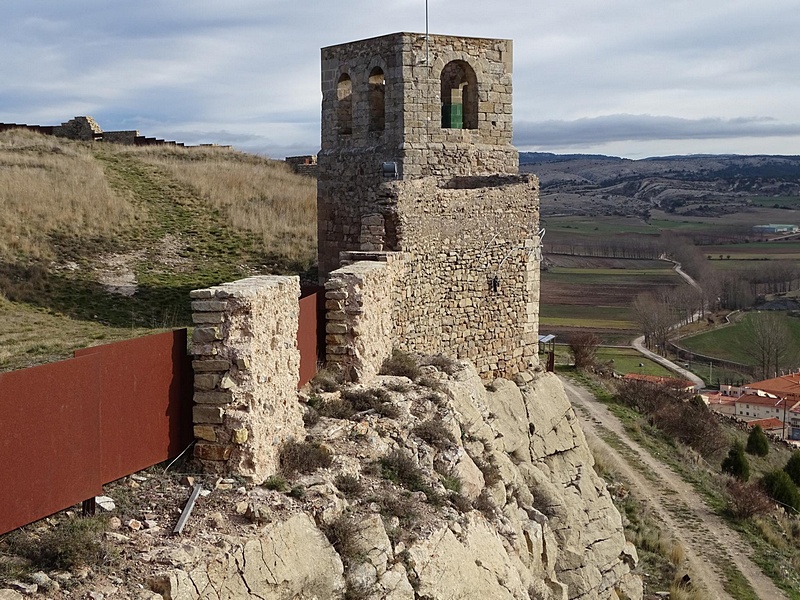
(580, 293)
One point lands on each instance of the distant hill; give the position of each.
(694, 184)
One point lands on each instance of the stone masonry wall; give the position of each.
(360, 328)
(246, 365)
(79, 128)
(471, 283)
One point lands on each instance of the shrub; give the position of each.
(401, 364)
(277, 483)
(377, 399)
(326, 381)
(349, 485)
(460, 503)
(793, 467)
(780, 487)
(486, 505)
(399, 385)
(69, 544)
(441, 362)
(675, 413)
(310, 416)
(735, 464)
(746, 499)
(583, 348)
(452, 483)
(342, 534)
(435, 433)
(757, 442)
(431, 382)
(336, 408)
(400, 468)
(490, 470)
(304, 457)
(406, 509)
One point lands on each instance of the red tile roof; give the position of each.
(785, 385)
(770, 423)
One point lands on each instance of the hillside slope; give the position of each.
(687, 185)
(102, 241)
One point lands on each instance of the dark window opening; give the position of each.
(377, 100)
(459, 96)
(344, 112)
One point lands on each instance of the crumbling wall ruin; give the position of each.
(247, 369)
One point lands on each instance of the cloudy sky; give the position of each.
(632, 78)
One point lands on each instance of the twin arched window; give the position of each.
(376, 100)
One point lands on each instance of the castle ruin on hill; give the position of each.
(428, 243)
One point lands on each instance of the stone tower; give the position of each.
(417, 160)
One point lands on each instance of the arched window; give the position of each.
(344, 109)
(459, 96)
(377, 100)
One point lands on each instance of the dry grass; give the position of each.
(52, 186)
(34, 336)
(256, 194)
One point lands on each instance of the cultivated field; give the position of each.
(588, 293)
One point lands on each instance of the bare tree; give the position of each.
(583, 348)
(767, 341)
(656, 316)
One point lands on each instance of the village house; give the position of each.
(762, 403)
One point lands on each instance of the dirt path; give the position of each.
(709, 543)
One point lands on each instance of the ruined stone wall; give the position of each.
(360, 327)
(80, 128)
(247, 366)
(121, 137)
(471, 283)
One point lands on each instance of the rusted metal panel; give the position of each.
(145, 386)
(49, 440)
(310, 333)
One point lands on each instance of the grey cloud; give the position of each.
(624, 127)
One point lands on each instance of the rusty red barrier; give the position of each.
(146, 401)
(67, 428)
(311, 332)
(49, 440)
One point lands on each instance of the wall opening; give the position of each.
(459, 96)
(377, 100)
(344, 112)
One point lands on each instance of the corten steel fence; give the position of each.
(311, 332)
(69, 427)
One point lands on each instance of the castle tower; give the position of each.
(416, 158)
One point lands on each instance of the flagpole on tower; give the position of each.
(427, 57)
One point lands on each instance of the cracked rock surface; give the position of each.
(447, 488)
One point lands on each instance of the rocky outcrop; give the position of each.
(446, 488)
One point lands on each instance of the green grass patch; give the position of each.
(627, 360)
(728, 342)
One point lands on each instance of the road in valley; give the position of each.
(708, 541)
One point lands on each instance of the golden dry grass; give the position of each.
(256, 194)
(48, 186)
